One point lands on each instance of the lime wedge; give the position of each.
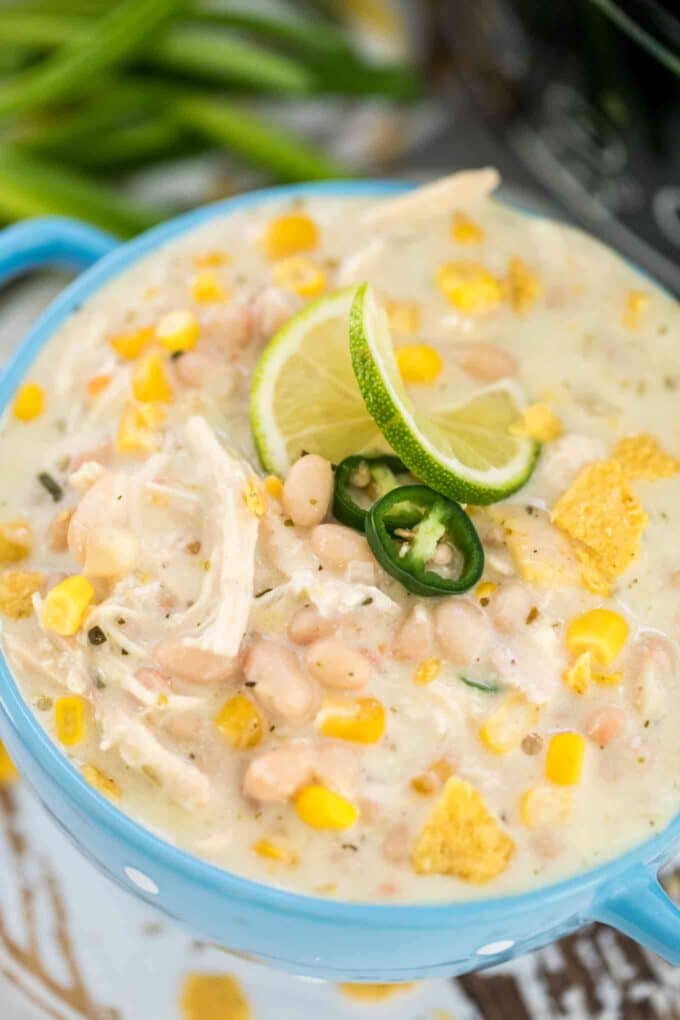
(304, 396)
(465, 452)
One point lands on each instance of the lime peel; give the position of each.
(462, 453)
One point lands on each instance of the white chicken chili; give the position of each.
(446, 668)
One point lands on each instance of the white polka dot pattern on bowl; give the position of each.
(142, 881)
(495, 947)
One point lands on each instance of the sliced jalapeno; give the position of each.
(380, 475)
(404, 529)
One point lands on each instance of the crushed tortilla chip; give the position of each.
(521, 286)
(603, 517)
(462, 837)
(641, 457)
(16, 592)
(542, 554)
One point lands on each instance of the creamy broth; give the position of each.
(594, 342)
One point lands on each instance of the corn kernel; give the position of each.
(419, 363)
(300, 275)
(361, 720)
(96, 386)
(564, 761)
(290, 234)
(275, 850)
(427, 671)
(545, 806)
(150, 381)
(321, 808)
(403, 316)
(138, 428)
(601, 632)
(273, 486)
(29, 402)
(538, 422)
(521, 285)
(504, 730)
(254, 498)
(485, 590)
(102, 783)
(211, 259)
(178, 331)
(8, 771)
(240, 722)
(15, 541)
(466, 231)
(129, 345)
(206, 289)
(66, 605)
(433, 778)
(634, 308)
(470, 287)
(17, 589)
(70, 719)
(579, 676)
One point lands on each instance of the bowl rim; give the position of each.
(155, 848)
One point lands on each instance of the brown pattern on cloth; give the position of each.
(593, 974)
(24, 966)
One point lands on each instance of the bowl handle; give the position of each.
(51, 240)
(641, 908)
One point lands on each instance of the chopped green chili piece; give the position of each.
(481, 685)
(427, 518)
(53, 487)
(381, 473)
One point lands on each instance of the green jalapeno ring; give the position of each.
(383, 469)
(430, 517)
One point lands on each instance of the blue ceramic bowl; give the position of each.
(322, 938)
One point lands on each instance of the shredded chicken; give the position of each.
(122, 728)
(457, 191)
(220, 615)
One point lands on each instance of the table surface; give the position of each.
(74, 947)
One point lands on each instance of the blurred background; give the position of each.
(126, 112)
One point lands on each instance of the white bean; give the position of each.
(102, 506)
(338, 666)
(415, 638)
(337, 546)
(654, 666)
(509, 606)
(110, 552)
(271, 309)
(485, 361)
(194, 665)
(281, 686)
(307, 625)
(195, 369)
(463, 631)
(57, 531)
(273, 777)
(307, 490)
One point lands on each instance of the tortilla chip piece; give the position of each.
(600, 512)
(542, 553)
(462, 837)
(641, 457)
(16, 592)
